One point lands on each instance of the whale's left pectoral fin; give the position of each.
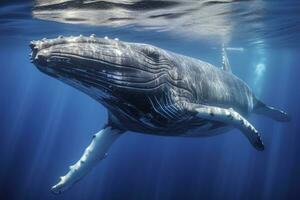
(95, 152)
(268, 111)
(231, 117)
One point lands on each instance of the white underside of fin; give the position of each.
(96, 151)
(230, 117)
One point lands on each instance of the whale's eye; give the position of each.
(58, 59)
(151, 53)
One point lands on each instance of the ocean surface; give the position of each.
(46, 125)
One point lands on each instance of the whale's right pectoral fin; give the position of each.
(230, 117)
(95, 152)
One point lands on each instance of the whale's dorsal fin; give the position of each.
(225, 61)
(227, 116)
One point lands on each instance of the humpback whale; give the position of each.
(149, 90)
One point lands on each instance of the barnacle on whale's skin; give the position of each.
(149, 90)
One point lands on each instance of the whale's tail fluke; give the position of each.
(273, 113)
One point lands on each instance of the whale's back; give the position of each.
(213, 86)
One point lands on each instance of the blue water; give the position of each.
(45, 125)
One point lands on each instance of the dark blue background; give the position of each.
(45, 126)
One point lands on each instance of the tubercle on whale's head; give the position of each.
(101, 63)
(50, 52)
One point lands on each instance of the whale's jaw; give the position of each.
(96, 66)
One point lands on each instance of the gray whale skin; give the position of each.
(148, 90)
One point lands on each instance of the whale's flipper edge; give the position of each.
(96, 151)
(271, 112)
(230, 117)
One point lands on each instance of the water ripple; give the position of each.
(247, 22)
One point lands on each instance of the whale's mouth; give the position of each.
(34, 51)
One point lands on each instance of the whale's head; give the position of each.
(101, 67)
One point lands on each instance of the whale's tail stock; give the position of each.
(271, 112)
